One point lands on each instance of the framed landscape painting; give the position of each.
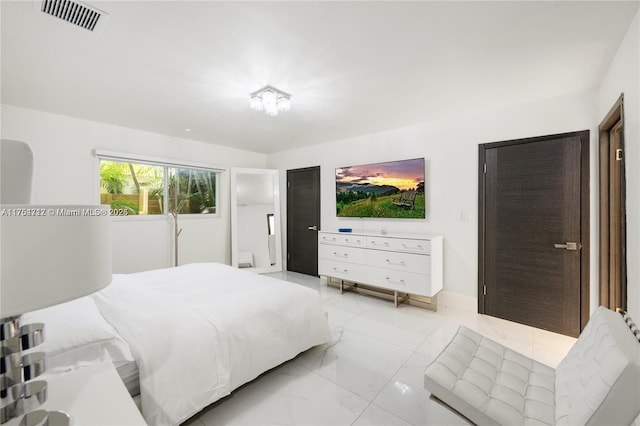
(393, 189)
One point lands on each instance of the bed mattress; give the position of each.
(199, 331)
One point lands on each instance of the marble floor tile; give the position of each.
(379, 330)
(376, 416)
(338, 317)
(405, 397)
(548, 356)
(547, 338)
(549, 348)
(288, 395)
(438, 339)
(353, 302)
(372, 371)
(356, 362)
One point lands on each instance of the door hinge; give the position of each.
(618, 154)
(484, 290)
(288, 184)
(288, 256)
(484, 168)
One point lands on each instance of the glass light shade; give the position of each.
(255, 103)
(52, 254)
(284, 104)
(270, 100)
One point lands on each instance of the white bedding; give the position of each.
(199, 331)
(76, 336)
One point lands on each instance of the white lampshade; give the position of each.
(16, 164)
(52, 254)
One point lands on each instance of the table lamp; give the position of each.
(48, 255)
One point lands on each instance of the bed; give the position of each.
(185, 337)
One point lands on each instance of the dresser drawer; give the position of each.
(352, 240)
(325, 238)
(408, 282)
(409, 262)
(407, 245)
(343, 254)
(342, 270)
(412, 246)
(380, 243)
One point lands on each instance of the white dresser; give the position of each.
(404, 264)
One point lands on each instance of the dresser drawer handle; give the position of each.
(336, 254)
(374, 243)
(344, 270)
(389, 262)
(419, 247)
(401, 282)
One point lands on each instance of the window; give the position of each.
(140, 188)
(192, 191)
(135, 189)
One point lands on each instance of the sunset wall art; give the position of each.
(393, 189)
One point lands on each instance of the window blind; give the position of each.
(155, 161)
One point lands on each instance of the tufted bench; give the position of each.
(598, 382)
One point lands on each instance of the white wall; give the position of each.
(451, 150)
(66, 171)
(623, 76)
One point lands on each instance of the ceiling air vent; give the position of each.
(74, 12)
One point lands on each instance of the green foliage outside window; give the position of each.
(195, 189)
(139, 189)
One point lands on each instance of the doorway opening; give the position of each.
(612, 209)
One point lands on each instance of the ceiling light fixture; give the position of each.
(270, 100)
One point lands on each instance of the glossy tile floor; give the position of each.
(371, 373)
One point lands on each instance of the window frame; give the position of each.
(104, 155)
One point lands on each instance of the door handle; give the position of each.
(568, 246)
(313, 228)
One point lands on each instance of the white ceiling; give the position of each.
(352, 68)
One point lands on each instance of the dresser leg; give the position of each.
(348, 287)
(397, 301)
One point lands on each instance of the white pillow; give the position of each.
(77, 335)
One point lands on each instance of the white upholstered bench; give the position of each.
(597, 383)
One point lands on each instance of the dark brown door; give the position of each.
(303, 220)
(613, 234)
(534, 231)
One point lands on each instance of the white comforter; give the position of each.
(199, 331)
